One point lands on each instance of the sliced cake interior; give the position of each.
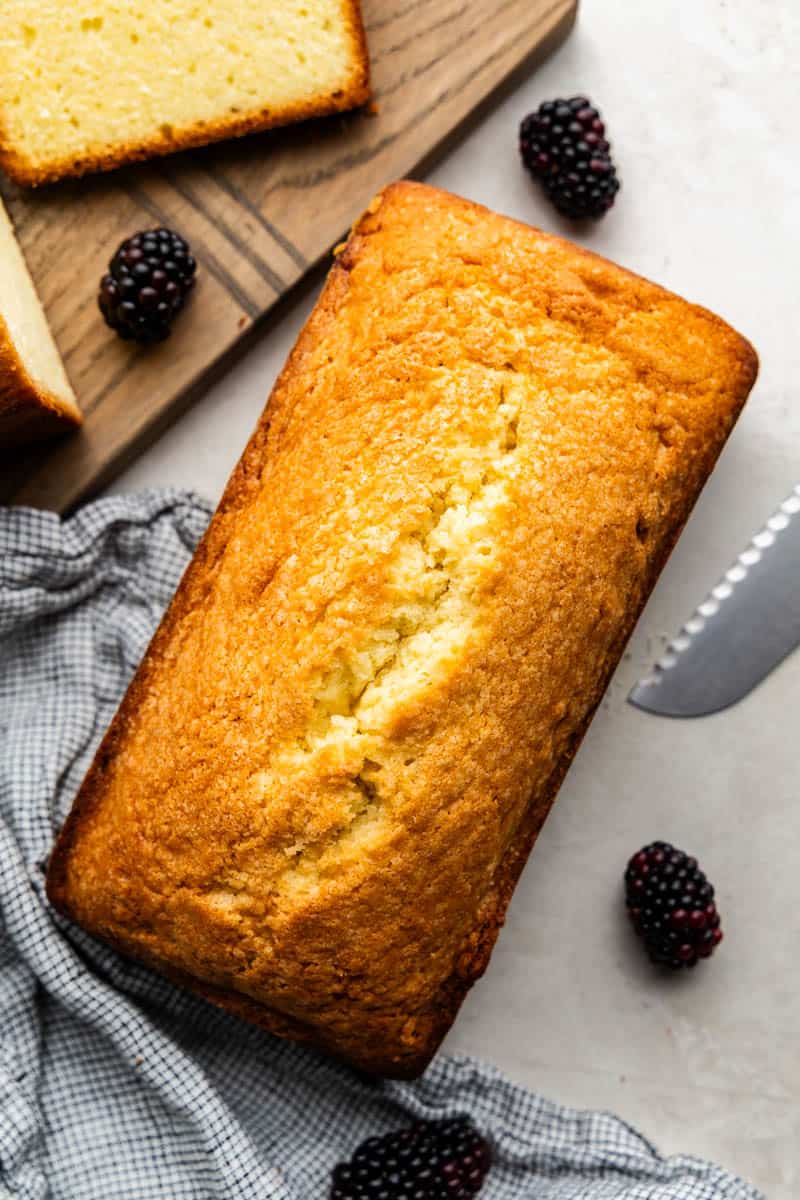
(35, 394)
(86, 86)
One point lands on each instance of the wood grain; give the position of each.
(259, 212)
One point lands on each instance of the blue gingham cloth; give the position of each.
(113, 1083)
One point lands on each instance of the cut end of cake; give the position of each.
(36, 399)
(107, 84)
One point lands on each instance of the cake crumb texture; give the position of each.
(330, 768)
(93, 84)
(36, 399)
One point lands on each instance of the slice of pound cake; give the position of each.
(36, 399)
(90, 85)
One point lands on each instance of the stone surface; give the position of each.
(700, 101)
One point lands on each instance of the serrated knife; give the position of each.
(744, 628)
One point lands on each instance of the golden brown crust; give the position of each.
(27, 412)
(357, 92)
(338, 872)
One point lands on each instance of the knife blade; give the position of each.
(745, 627)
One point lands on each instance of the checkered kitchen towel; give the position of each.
(114, 1084)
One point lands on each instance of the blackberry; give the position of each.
(671, 906)
(433, 1160)
(148, 281)
(563, 144)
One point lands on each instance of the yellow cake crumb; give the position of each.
(94, 83)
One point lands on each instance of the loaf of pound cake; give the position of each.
(87, 86)
(36, 399)
(332, 764)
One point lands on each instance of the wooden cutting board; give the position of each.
(259, 214)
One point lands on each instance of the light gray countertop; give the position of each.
(701, 103)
